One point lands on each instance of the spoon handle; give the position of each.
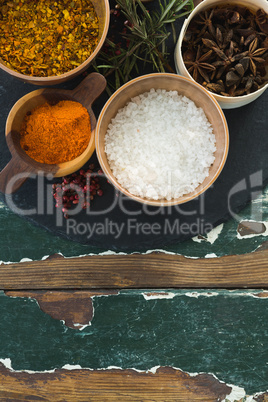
(14, 175)
(89, 89)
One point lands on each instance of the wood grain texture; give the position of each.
(75, 308)
(167, 384)
(155, 270)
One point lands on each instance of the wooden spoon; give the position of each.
(21, 166)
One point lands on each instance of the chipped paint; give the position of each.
(80, 326)
(7, 363)
(170, 295)
(3, 206)
(104, 253)
(71, 367)
(237, 393)
(44, 303)
(158, 295)
(210, 255)
(198, 294)
(26, 260)
(249, 236)
(211, 237)
(262, 198)
(166, 294)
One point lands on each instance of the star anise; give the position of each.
(205, 20)
(198, 66)
(232, 49)
(254, 54)
(225, 58)
(251, 83)
(262, 21)
(222, 39)
(217, 87)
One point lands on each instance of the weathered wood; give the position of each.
(75, 308)
(155, 270)
(246, 228)
(167, 384)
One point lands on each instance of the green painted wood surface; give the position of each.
(224, 334)
(21, 239)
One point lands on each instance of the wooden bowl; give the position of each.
(21, 165)
(102, 9)
(183, 86)
(226, 102)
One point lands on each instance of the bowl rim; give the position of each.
(203, 6)
(174, 201)
(71, 73)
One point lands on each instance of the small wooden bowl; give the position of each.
(102, 9)
(21, 166)
(184, 86)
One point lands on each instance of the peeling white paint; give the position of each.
(262, 198)
(26, 259)
(211, 237)
(236, 394)
(170, 295)
(72, 367)
(249, 236)
(81, 327)
(104, 253)
(211, 255)
(47, 256)
(158, 295)
(214, 234)
(7, 363)
(3, 206)
(198, 294)
(198, 239)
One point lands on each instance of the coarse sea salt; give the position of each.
(160, 145)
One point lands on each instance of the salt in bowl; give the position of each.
(184, 86)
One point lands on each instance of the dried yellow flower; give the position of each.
(43, 38)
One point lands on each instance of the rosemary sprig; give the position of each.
(142, 41)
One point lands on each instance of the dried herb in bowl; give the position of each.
(47, 38)
(225, 49)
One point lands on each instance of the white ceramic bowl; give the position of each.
(226, 102)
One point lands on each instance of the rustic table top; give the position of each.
(184, 322)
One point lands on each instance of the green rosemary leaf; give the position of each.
(105, 66)
(168, 8)
(174, 35)
(144, 40)
(183, 4)
(117, 79)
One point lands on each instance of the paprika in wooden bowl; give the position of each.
(34, 109)
(48, 42)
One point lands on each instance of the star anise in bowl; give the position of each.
(225, 48)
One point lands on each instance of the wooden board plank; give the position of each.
(166, 384)
(155, 270)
